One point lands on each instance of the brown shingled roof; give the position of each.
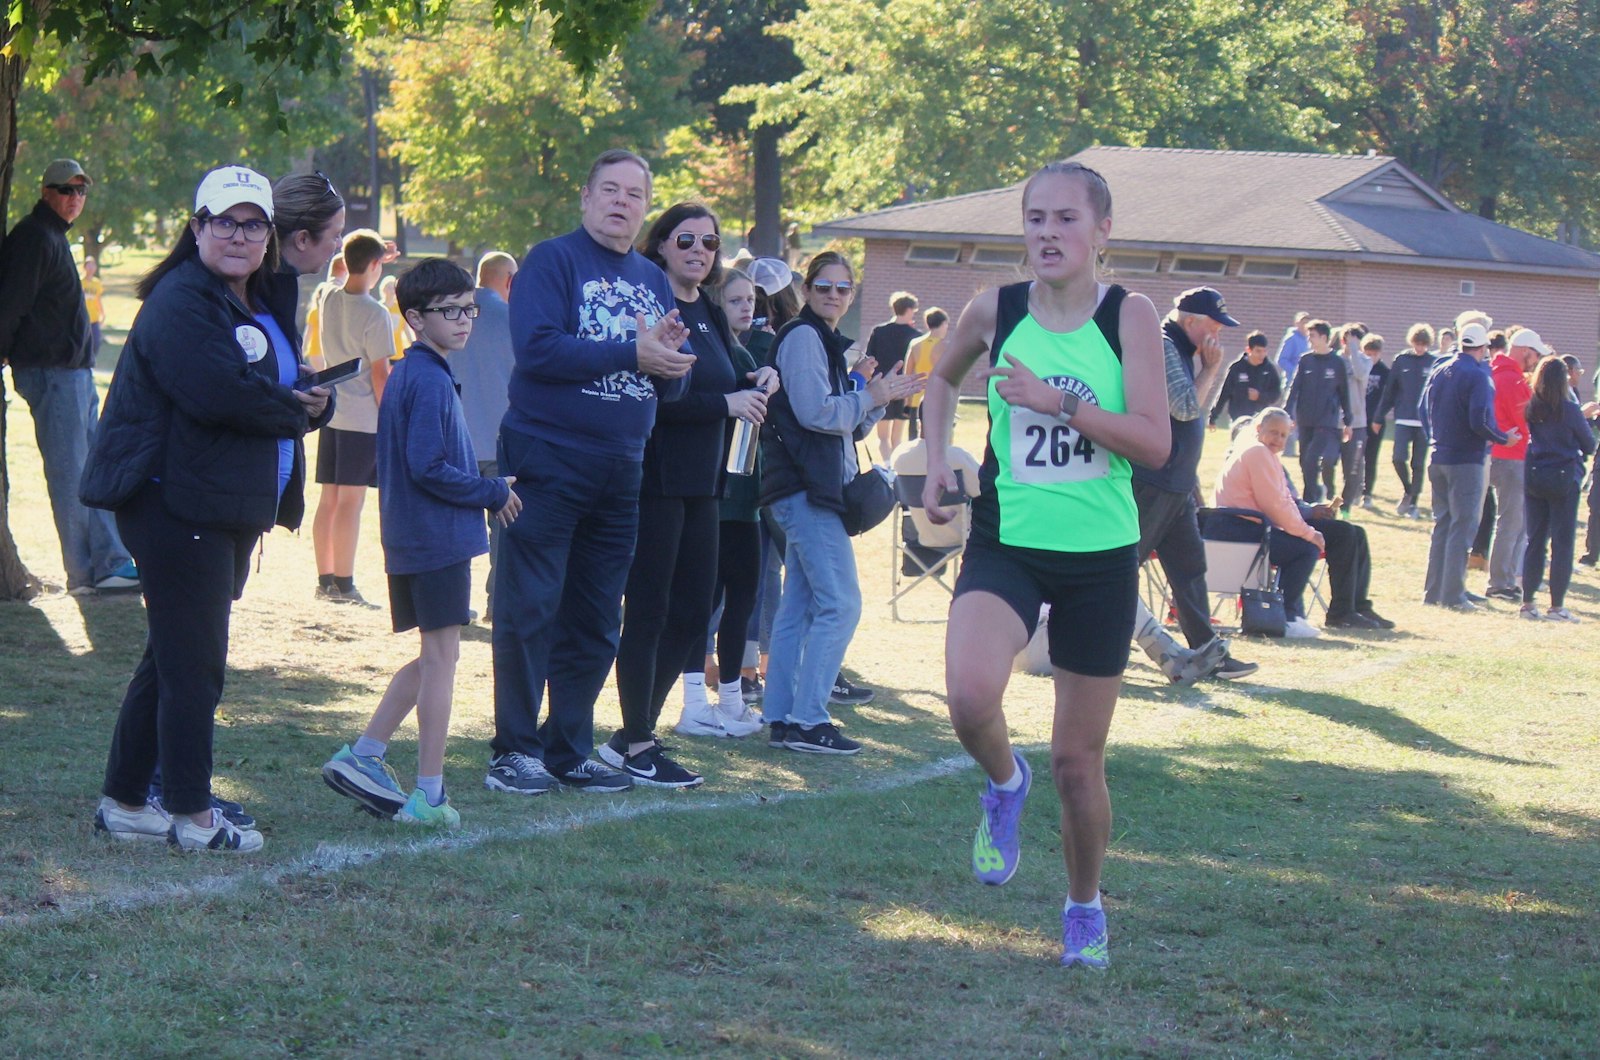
(1242, 201)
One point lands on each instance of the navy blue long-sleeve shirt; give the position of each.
(1403, 389)
(431, 498)
(1457, 412)
(1564, 441)
(1320, 393)
(576, 382)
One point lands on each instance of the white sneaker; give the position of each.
(1530, 613)
(1560, 614)
(1299, 627)
(147, 822)
(738, 718)
(701, 720)
(222, 835)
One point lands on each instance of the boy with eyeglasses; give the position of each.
(351, 324)
(430, 498)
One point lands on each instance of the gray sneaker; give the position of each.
(518, 774)
(589, 775)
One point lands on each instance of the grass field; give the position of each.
(1384, 845)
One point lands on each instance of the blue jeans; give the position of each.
(817, 614)
(1458, 491)
(66, 410)
(558, 589)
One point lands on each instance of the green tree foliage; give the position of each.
(1491, 101)
(496, 132)
(938, 97)
(146, 143)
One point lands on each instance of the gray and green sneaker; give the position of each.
(1084, 939)
(419, 811)
(366, 779)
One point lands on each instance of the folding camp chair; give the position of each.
(922, 551)
(1232, 566)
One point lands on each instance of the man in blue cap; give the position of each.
(1168, 523)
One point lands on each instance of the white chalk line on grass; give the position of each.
(331, 858)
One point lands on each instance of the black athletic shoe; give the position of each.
(653, 769)
(778, 734)
(1232, 669)
(1373, 616)
(751, 689)
(824, 739)
(1514, 595)
(589, 775)
(1588, 559)
(845, 694)
(1353, 620)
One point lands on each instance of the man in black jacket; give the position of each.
(1250, 384)
(44, 335)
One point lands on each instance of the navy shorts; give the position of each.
(434, 599)
(347, 458)
(1092, 598)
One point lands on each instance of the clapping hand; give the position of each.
(895, 385)
(658, 347)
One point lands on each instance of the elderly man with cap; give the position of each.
(1168, 524)
(1457, 412)
(1509, 372)
(44, 335)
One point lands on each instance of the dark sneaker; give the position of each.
(751, 689)
(1504, 593)
(1084, 939)
(589, 775)
(1232, 669)
(518, 774)
(653, 769)
(996, 850)
(149, 821)
(824, 739)
(845, 694)
(1589, 559)
(778, 735)
(1353, 620)
(1379, 620)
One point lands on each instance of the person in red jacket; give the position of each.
(1509, 371)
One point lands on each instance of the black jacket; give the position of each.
(43, 321)
(1402, 390)
(795, 459)
(1320, 393)
(188, 408)
(688, 447)
(1240, 378)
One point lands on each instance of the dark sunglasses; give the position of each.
(69, 189)
(824, 286)
(454, 312)
(685, 240)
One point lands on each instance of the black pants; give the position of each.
(667, 604)
(1167, 526)
(1320, 450)
(1349, 561)
(738, 575)
(1374, 440)
(190, 576)
(1554, 521)
(1591, 536)
(1410, 458)
(558, 594)
(1353, 464)
(914, 423)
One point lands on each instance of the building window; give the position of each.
(1125, 262)
(1002, 257)
(1268, 269)
(1468, 288)
(934, 254)
(1196, 266)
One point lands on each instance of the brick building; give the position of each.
(1344, 237)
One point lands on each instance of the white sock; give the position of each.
(367, 747)
(694, 692)
(730, 694)
(433, 788)
(1014, 784)
(1095, 905)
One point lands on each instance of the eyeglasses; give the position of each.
(824, 286)
(79, 190)
(255, 230)
(685, 240)
(454, 312)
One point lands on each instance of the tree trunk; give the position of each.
(766, 235)
(16, 582)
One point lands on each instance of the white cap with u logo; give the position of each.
(230, 186)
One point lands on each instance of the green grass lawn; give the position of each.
(1385, 844)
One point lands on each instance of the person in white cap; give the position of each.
(1509, 371)
(199, 453)
(44, 335)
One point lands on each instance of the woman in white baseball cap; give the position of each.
(198, 453)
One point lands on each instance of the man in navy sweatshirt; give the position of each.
(1457, 412)
(596, 346)
(1319, 401)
